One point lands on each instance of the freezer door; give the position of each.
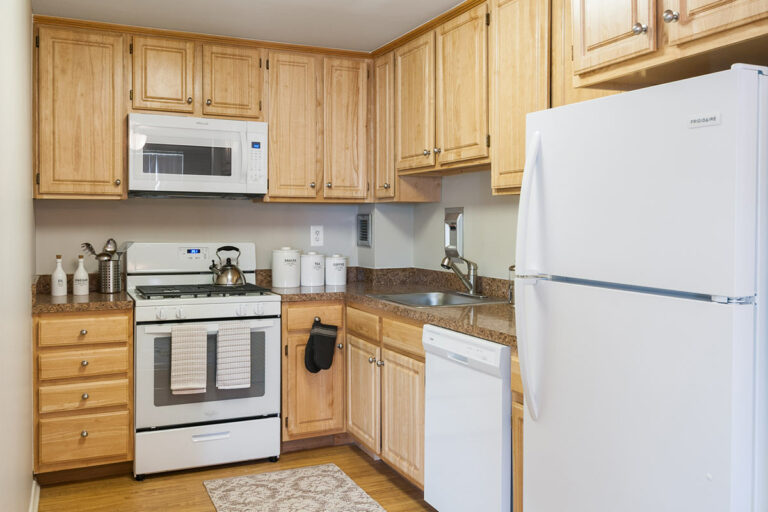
(653, 188)
(642, 402)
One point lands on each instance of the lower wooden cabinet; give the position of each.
(83, 389)
(364, 385)
(517, 457)
(313, 403)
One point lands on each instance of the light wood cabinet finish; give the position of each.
(313, 403)
(54, 330)
(603, 31)
(83, 395)
(402, 414)
(345, 155)
(364, 391)
(82, 362)
(699, 18)
(362, 324)
(232, 81)
(519, 83)
(517, 456)
(461, 87)
(516, 379)
(384, 119)
(293, 125)
(80, 113)
(402, 337)
(83, 437)
(163, 74)
(415, 103)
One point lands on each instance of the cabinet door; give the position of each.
(293, 125)
(517, 457)
(519, 82)
(232, 81)
(609, 31)
(345, 109)
(462, 87)
(697, 18)
(363, 392)
(402, 414)
(81, 134)
(163, 74)
(384, 112)
(315, 401)
(415, 103)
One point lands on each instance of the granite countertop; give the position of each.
(494, 322)
(44, 302)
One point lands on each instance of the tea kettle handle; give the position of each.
(228, 248)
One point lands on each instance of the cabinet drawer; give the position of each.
(72, 329)
(402, 337)
(64, 439)
(363, 324)
(300, 318)
(85, 395)
(82, 363)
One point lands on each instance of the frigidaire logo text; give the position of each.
(708, 119)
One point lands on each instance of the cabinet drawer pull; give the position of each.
(312, 185)
(639, 28)
(437, 151)
(189, 100)
(426, 152)
(671, 16)
(340, 346)
(329, 184)
(386, 186)
(83, 332)
(379, 363)
(84, 362)
(371, 359)
(84, 433)
(85, 396)
(208, 101)
(118, 182)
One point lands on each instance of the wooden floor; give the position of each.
(185, 490)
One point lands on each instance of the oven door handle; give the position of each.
(212, 328)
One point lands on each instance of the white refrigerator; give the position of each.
(642, 259)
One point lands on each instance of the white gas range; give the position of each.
(171, 284)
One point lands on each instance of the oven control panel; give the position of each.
(193, 253)
(231, 310)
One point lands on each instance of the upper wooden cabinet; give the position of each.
(163, 74)
(691, 19)
(519, 82)
(232, 81)
(345, 157)
(294, 125)
(80, 113)
(461, 47)
(608, 31)
(384, 124)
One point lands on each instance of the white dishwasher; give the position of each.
(468, 423)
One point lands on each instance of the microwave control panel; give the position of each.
(256, 158)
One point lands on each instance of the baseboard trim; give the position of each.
(34, 496)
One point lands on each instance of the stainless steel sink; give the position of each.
(437, 299)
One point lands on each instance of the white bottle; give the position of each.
(58, 279)
(80, 281)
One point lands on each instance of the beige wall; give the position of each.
(392, 244)
(63, 225)
(17, 256)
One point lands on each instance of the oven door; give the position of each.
(174, 154)
(156, 406)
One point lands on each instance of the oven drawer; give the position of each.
(82, 362)
(188, 447)
(61, 329)
(86, 436)
(300, 318)
(84, 395)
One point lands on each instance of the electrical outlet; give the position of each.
(316, 236)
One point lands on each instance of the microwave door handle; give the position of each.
(212, 328)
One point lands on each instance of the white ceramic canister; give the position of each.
(312, 269)
(335, 270)
(286, 268)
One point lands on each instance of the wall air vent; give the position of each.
(364, 229)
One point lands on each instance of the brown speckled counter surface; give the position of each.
(44, 302)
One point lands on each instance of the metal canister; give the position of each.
(110, 276)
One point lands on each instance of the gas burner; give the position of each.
(199, 290)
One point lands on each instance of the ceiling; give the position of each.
(347, 24)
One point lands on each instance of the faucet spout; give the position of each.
(469, 279)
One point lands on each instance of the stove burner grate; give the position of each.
(199, 290)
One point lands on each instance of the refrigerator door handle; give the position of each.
(531, 162)
(521, 328)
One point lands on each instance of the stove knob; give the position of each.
(241, 310)
(258, 309)
(179, 313)
(160, 314)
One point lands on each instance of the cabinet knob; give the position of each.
(386, 186)
(340, 346)
(84, 362)
(317, 319)
(426, 152)
(379, 363)
(118, 182)
(84, 433)
(328, 185)
(189, 100)
(437, 151)
(670, 16)
(208, 101)
(639, 28)
(85, 396)
(371, 359)
(83, 332)
(312, 185)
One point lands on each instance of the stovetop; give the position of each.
(200, 290)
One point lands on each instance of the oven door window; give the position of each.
(178, 159)
(162, 374)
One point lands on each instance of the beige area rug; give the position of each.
(323, 488)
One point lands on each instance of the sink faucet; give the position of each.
(468, 279)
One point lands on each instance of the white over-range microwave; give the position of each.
(194, 156)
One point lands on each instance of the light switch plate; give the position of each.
(316, 236)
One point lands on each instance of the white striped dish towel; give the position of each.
(233, 356)
(189, 347)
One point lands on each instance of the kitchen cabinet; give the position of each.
(295, 129)
(163, 74)
(691, 19)
(364, 385)
(80, 123)
(345, 108)
(232, 81)
(313, 403)
(520, 35)
(517, 456)
(609, 31)
(83, 389)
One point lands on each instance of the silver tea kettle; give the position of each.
(227, 274)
